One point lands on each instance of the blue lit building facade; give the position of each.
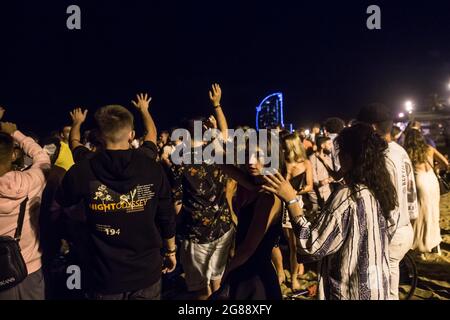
(270, 112)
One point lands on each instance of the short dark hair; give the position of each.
(6, 147)
(334, 125)
(379, 115)
(395, 131)
(112, 120)
(95, 139)
(320, 140)
(384, 127)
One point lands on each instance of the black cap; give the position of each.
(375, 113)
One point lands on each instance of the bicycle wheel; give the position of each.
(408, 276)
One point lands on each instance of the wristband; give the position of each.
(168, 253)
(290, 203)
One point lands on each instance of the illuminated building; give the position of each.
(270, 113)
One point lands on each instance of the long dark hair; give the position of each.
(366, 149)
(416, 146)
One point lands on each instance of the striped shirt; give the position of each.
(350, 239)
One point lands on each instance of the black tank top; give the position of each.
(263, 253)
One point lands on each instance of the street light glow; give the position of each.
(409, 106)
(401, 115)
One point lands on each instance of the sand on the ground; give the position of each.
(433, 273)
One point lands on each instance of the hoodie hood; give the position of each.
(12, 189)
(118, 169)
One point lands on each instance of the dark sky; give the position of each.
(318, 53)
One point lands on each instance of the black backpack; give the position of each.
(13, 269)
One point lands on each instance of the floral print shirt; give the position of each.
(205, 215)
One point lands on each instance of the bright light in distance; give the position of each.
(409, 106)
(401, 115)
(307, 132)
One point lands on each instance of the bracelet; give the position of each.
(167, 255)
(170, 252)
(290, 203)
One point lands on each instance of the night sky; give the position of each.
(320, 54)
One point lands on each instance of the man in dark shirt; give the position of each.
(129, 210)
(205, 216)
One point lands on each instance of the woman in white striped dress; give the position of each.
(350, 235)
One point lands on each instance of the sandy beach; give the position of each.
(433, 273)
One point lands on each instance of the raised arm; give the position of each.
(315, 241)
(142, 103)
(36, 175)
(2, 112)
(215, 95)
(78, 118)
(439, 157)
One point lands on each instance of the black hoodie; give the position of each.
(129, 209)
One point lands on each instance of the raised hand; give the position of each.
(78, 116)
(8, 127)
(142, 102)
(213, 122)
(280, 187)
(215, 95)
(2, 112)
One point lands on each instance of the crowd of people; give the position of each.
(352, 198)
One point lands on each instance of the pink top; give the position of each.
(15, 186)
